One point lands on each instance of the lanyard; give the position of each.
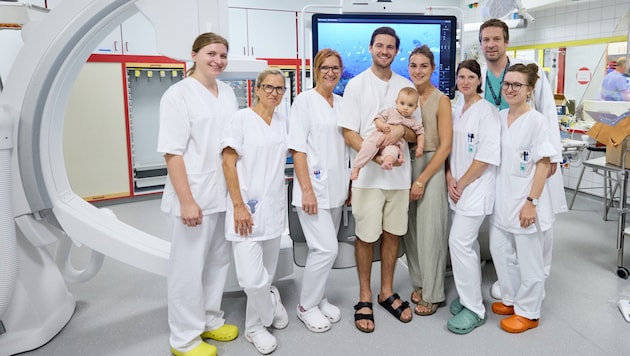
(497, 100)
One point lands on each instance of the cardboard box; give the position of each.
(616, 138)
(612, 128)
(614, 154)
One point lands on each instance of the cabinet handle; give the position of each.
(244, 50)
(252, 52)
(126, 46)
(115, 46)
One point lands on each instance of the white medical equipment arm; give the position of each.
(8, 249)
(39, 200)
(40, 81)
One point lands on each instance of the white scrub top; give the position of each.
(191, 125)
(262, 152)
(476, 136)
(544, 102)
(314, 130)
(364, 97)
(522, 145)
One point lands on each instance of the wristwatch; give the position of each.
(533, 201)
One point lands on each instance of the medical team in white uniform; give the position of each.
(253, 146)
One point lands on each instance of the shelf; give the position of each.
(15, 15)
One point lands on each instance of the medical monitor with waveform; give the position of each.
(349, 34)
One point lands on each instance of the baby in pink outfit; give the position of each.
(402, 114)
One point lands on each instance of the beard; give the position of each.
(382, 63)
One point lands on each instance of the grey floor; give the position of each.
(122, 311)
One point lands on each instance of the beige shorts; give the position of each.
(378, 210)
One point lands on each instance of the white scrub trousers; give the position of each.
(320, 231)
(256, 263)
(465, 261)
(518, 260)
(198, 268)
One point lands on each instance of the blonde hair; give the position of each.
(264, 74)
(409, 91)
(203, 40)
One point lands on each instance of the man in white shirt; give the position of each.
(380, 198)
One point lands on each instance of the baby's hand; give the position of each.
(386, 128)
(381, 125)
(419, 151)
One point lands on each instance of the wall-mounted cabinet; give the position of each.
(135, 36)
(111, 126)
(263, 33)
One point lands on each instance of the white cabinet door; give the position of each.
(135, 36)
(272, 34)
(95, 135)
(263, 33)
(112, 44)
(138, 36)
(239, 42)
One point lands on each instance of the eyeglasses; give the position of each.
(516, 86)
(270, 88)
(335, 69)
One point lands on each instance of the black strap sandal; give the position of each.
(361, 316)
(387, 304)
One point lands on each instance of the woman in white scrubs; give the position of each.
(523, 209)
(254, 147)
(193, 113)
(471, 183)
(320, 184)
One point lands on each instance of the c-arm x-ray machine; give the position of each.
(37, 204)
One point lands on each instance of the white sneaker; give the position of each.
(280, 316)
(264, 342)
(314, 320)
(330, 311)
(495, 290)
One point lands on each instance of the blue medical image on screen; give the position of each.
(350, 35)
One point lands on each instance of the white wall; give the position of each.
(10, 44)
(297, 5)
(568, 22)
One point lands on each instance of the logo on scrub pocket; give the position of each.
(525, 157)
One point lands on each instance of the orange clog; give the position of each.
(518, 324)
(502, 309)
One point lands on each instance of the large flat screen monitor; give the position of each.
(350, 34)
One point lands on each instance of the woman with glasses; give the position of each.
(320, 185)
(523, 209)
(470, 177)
(254, 147)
